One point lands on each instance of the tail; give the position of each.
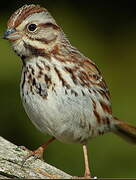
(126, 131)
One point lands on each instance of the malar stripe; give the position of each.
(43, 40)
(36, 51)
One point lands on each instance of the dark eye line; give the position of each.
(49, 24)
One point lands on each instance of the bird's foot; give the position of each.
(84, 177)
(87, 175)
(37, 154)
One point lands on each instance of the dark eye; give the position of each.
(32, 27)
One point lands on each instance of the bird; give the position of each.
(63, 92)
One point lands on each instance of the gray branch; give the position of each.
(11, 157)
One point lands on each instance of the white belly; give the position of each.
(69, 118)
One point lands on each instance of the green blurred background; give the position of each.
(105, 32)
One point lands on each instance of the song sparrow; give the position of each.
(63, 92)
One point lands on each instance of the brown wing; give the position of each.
(83, 71)
(91, 76)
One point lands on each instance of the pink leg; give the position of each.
(87, 174)
(38, 153)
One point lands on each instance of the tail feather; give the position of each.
(126, 131)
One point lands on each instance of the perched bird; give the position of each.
(63, 91)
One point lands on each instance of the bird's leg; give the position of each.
(38, 153)
(87, 174)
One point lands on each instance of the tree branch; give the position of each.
(11, 157)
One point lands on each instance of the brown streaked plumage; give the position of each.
(36, 52)
(54, 26)
(62, 80)
(63, 92)
(22, 13)
(106, 108)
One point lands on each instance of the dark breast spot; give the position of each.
(64, 83)
(106, 107)
(74, 92)
(97, 115)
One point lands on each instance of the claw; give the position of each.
(37, 154)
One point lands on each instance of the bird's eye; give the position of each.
(32, 27)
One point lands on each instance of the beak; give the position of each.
(12, 34)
